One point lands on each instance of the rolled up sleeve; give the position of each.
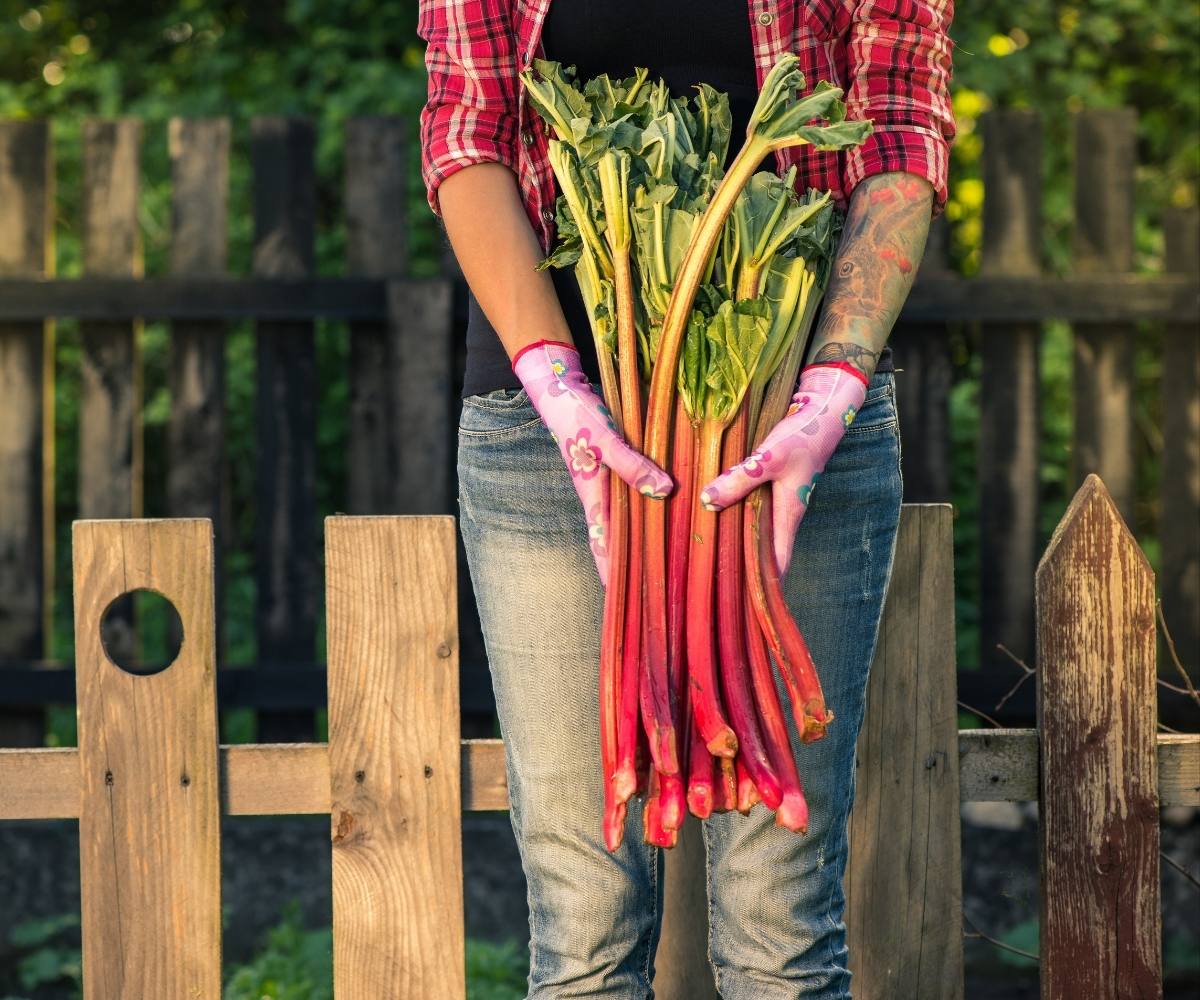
(470, 114)
(899, 69)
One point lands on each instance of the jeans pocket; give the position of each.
(498, 414)
(878, 410)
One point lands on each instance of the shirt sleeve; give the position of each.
(899, 70)
(470, 114)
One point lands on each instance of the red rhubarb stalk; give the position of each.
(611, 653)
(653, 831)
(679, 508)
(747, 790)
(781, 632)
(735, 679)
(792, 813)
(701, 651)
(725, 788)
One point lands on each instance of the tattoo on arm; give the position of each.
(882, 243)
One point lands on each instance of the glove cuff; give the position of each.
(841, 366)
(543, 343)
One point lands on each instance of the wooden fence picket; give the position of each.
(376, 246)
(394, 758)
(199, 151)
(110, 403)
(904, 875)
(149, 807)
(1101, 926)
(1009, 391)
(1105, 158)
(285, 556)
(27, 416)
(1180, 576)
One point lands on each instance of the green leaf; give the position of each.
(781, 118)
(735, 337)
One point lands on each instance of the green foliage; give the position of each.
(294, 963)
(496, 972)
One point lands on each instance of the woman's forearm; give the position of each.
(881, 248)
(498, 250)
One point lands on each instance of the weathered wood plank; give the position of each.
(149, 813)
(420, 328)
(394, 758)
(1105, 157)
(257, 779)
(1101, 926)
(1179, 526)
(110, 407)
(286, 564)
(199, 151)
(923, 383)
(27, 416)
(376, 246)
(982, 298)
(903, 881)
(1009, 392)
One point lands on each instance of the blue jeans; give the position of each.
(775, 898)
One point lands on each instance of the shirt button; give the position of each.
(765, 18)
(547, 215)
(527, 137)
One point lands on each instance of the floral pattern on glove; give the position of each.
(586, 435)
(794, 453)
(585, 459)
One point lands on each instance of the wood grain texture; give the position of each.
(904, 879)
(1009, 392)
(280, 779)
(394, 748)
(149, 814)
(1101, 926)
(27, 417)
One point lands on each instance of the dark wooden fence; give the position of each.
(405, 352)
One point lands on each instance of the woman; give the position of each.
(529, 506)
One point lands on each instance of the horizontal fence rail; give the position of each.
(938, 299)
(281, 779)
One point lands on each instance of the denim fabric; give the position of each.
(775, 898)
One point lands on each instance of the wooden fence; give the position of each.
(148, 781)
(404, 335)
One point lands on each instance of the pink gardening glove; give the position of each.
(794, 453)
(583, 429)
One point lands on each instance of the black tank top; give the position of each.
(684, 43)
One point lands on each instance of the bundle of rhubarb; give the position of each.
(701, 281)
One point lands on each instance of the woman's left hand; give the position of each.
(794, 453)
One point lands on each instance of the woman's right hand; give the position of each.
(588, 441)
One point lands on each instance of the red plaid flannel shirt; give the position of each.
(891, 57)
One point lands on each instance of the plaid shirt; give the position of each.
(891, 57)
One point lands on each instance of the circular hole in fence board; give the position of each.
(141, 631)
